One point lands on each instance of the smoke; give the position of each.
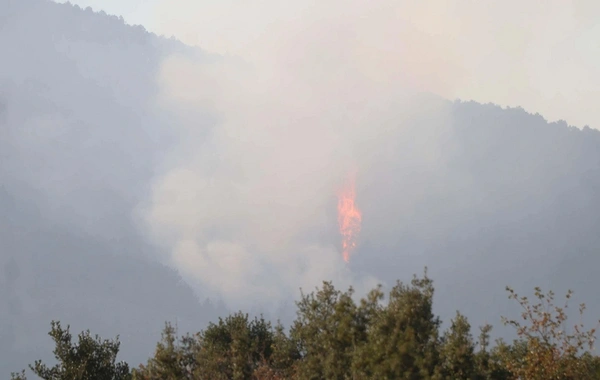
(538, 55)
(246, 205)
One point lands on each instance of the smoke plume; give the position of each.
(245, 205)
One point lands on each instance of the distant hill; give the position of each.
(511, 199)
(78, 144)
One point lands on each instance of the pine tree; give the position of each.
(234, 348)
(402, 340)
(91, 358)
(327, 332)
(173, 359)
(458, 350)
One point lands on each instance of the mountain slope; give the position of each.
(79, 139)
(502, 197)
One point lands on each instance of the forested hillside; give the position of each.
(483, 196)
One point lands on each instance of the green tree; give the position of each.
(284, 355)
(458, 350)
(327, 331)
(402, 339)
(91, 358)
(488, 362)
(333, 337)
(174, 358)
(234, 348)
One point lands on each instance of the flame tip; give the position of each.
(349, 217)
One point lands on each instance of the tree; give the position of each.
(333, 337)
(488, 363)
(544, 349)
(173, 359)
(283, 357)
(327, 331)
(402, 338)
(458, 350)
(234, 348)
(91, 358)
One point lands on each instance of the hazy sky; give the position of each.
(541, 55)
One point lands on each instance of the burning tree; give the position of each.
(349, 218)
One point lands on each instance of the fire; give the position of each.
(349, 218)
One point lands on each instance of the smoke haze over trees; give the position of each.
(140, 177)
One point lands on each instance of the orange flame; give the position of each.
(349, 218)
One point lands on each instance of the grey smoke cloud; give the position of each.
(246, 207)
(540, 56)
(245, 210)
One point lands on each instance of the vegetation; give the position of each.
(91, 358)
(335, 337)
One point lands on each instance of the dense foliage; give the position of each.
(335, 337)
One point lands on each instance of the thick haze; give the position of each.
(541, 55)
(139, 175)
(247, 207)
(329, 87)
(79, 142)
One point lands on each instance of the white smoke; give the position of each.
(246, 207)
(538, 55)
(249, 211)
